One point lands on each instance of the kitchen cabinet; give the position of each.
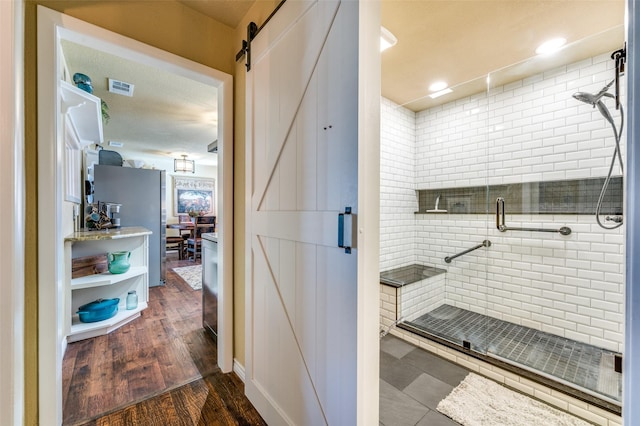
(86, 289)
(210, 283)
(217, 301)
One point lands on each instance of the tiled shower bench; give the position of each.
(409, 292)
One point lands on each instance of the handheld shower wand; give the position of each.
(591, 99)
(596, 101)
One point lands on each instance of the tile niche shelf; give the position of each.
(83, 290)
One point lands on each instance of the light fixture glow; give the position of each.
(184, 165)
(386, 39)
(438, 86)
(440, 93)
(551, 46)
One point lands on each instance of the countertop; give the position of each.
(108, 234)
(211, 236)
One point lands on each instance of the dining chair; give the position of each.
(176, 243)
(204, 224)
(184, 233)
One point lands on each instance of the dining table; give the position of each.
(183, 226)
(188, 226)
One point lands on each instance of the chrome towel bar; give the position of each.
(502, 226)
(485, 243)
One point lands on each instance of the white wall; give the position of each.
(530, 130)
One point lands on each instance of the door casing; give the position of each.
(52, 27)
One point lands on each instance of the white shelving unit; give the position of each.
(82, 114)
(85, 113)
(89, 288)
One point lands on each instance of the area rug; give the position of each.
(191, 274)
(478, 401)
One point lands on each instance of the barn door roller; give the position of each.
(252, 32)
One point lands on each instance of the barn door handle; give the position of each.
(347, 211)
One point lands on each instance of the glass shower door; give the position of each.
(555, 277)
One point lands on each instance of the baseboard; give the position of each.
(238, 369)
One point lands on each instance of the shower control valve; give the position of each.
(616, 219)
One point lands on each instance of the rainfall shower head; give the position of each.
(591, 99)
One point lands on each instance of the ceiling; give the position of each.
(458, 41)
(167, 116)
(462, 41)
(229, 12)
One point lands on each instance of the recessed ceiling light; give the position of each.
(551, 46)
(438, 85)
(440, 93)
(386, 39)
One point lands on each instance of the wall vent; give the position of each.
(120, 87)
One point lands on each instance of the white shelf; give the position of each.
(83, 290)
(85, 330)
(106, 278)
(85, 111)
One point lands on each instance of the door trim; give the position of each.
(631, 377)
(12, 188)
(368, 232)
(52, 27)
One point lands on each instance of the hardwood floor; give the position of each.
(156, 362)
(218, 399)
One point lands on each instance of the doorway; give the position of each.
(54, 27)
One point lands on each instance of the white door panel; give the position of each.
(302, 172)
(284, 76)
(336, 320)
(306, 150)
(304, 226)
(285, 377)
(338, 117)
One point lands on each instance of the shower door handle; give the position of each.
(502, 226)
(500, 216)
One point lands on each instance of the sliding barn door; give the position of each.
(302, 172)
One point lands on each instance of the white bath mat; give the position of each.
(478, 401)
(191, 274)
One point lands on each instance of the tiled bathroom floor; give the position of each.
(585, 365)
(412, 383)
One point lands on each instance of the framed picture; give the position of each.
(193, 194)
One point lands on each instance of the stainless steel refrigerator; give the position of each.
(142, 195)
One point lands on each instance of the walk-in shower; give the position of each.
(513, 269)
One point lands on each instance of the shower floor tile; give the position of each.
(571, 361)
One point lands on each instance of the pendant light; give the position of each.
(184, 165)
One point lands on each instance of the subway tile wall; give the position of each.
(530, 130)
(398, 200)
(571, 286)
(419, 298)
